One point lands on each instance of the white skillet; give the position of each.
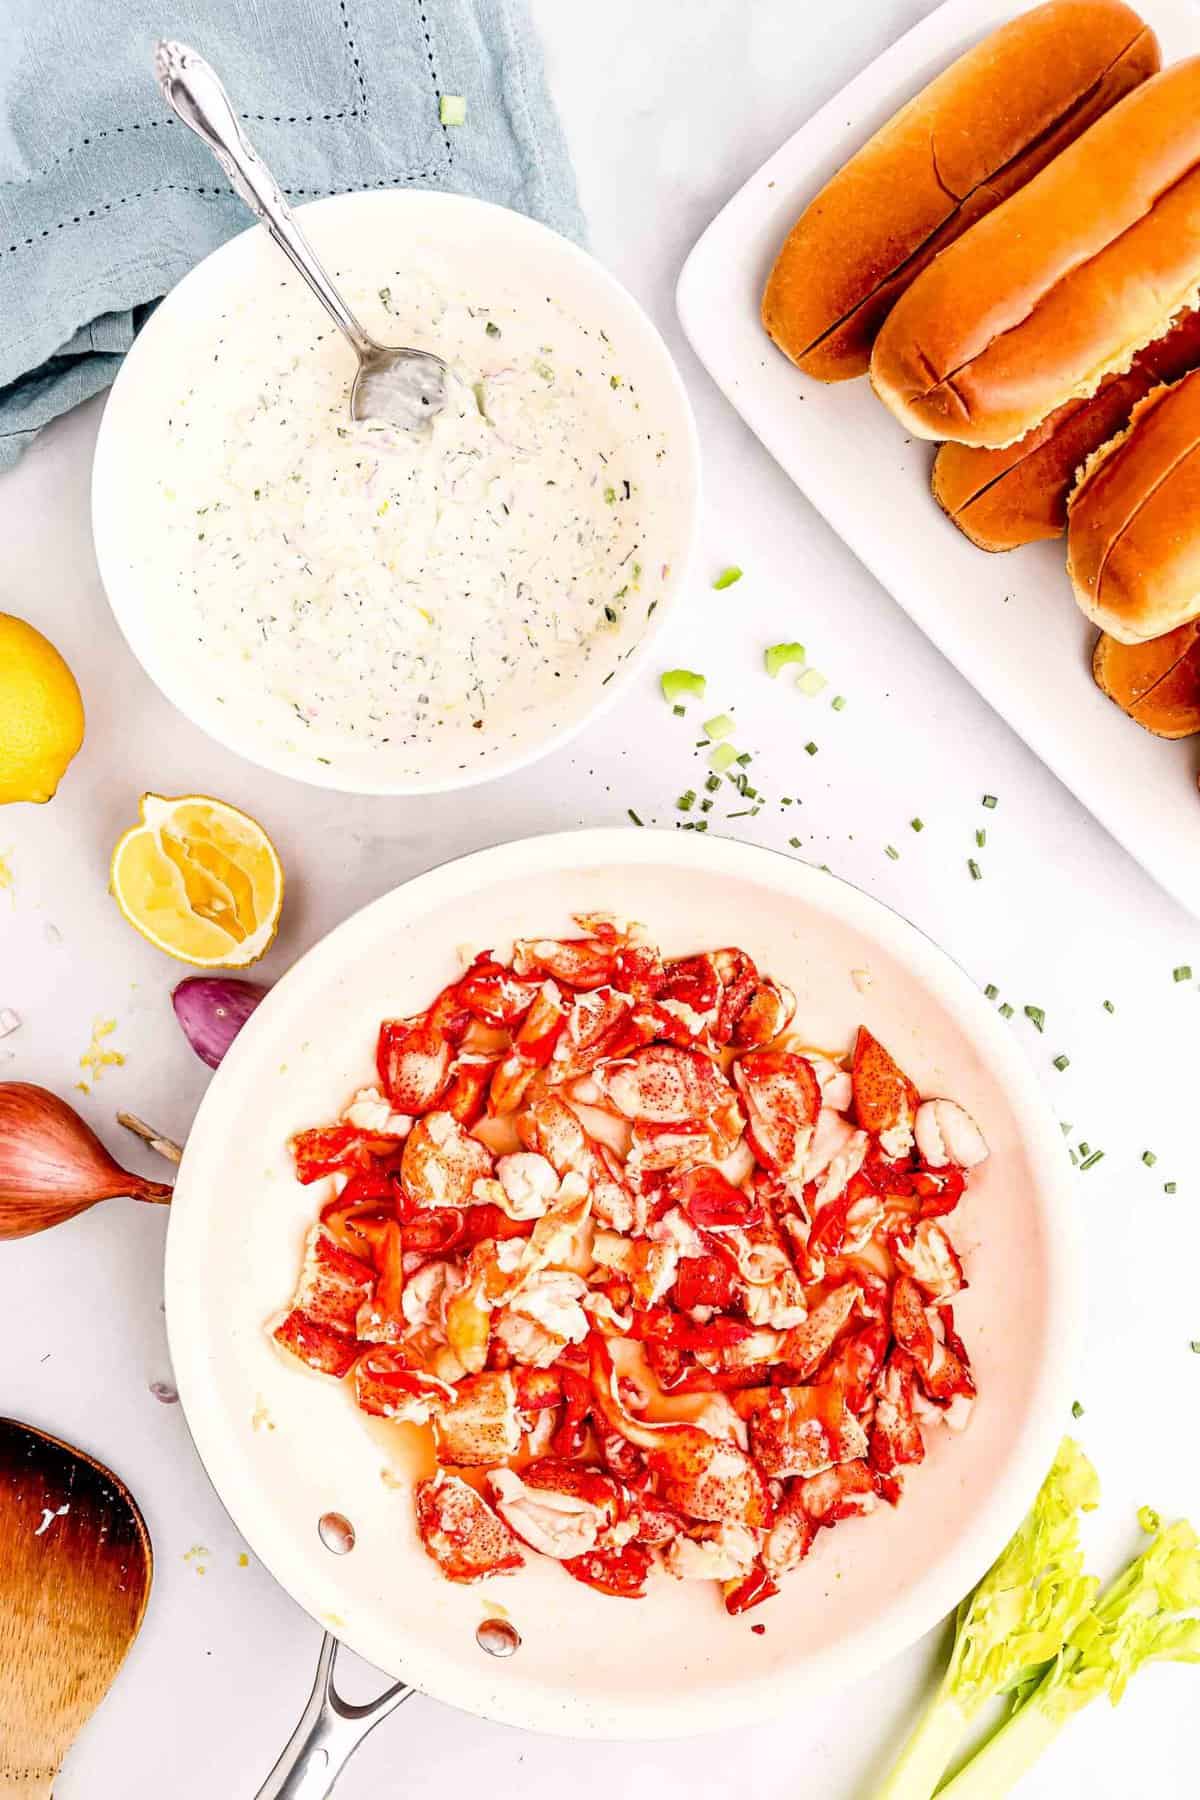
(283, 1447)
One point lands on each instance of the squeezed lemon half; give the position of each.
(200, 880)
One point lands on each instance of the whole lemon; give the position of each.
(41, 713)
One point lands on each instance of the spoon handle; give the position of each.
(192, 89)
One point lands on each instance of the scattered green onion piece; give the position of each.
(1170, 1187)
(1183, 972)
(794, 842)
(679, 711)
(706, 806)
(1149, 1158)
(1084, 1147)
(1065, 1128)
(1036, 1017)
(811, 749)
(634, 816)
(1108, 1006)
(453, 110)
(713, 783)
(701, 825)
(1061, 1063)
(728, 576)
(1095, 1157)
(981, 839)
(745, 757)
(677, 683)
(917, 824)
(1006, 1011)
(686, 801)
(722, 756)
(811, 683)
(1149, 1520)
(990, 801)
(1194, 1346)
(1072, 1156)
(719, 726)
(779, 656)
(838, 703)
(492, 329)
(891, 850)
(976, 871)
(1076, 1410)
(992, 991)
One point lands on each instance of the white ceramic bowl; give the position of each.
(283, 1446)
(496, 254)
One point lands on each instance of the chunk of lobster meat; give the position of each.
(767, 1012)
(657, 1523)
(895, 1439)
(946, 1133)
(845, 1226)
(459, 1530)
(543, 1318)
(638, 971)
(427, 1290)
(331, 1150)
(739, 979)
(483, 1426)
(800, 1431)
(621, 1573)
(713, 1203)
(386, 1385)
(442, 1162)
(836, 1153)
(806, 1346)
(928, 1334)
(524, 1185)
(948, 1379)
(558, 1508)
(791, 1536)
(648, 1267)
(885, 1100)
(371, 1112)
(322, 1349)
(837, 1089)
(674, 1227)
(693, 983)
(530, 1050)
(926, 1254)
(414, 1058)
(856, 1362)
(663, 1085)
(495, 996)
(724, 1552)
(910, 1321)
(846, 1491)
(599, 1024)
(653, 1148)
(579, 963)
(782, 1101)
(333, 1284)
(748, 1590)
(770, 1290)
(466, 1097)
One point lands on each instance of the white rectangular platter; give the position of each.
(1007, 622)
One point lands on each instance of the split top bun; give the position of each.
(1060, 285)
(973, 136)
(1133, 550)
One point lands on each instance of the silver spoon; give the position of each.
(404, 388)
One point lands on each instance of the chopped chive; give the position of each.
(634, 816)
(701, 825)
(794, 842)
(706, 806)
(676, 683)
(811, 749)
(679, 711)
(1149, 1158)
(1006, 1011)
(1095, 1157)
(838, 703)
(745, 813)
(722, 756)
(1108, 1006)
(1061, 1063)
(1036, 1017)
(779, 656)
(1194, 1346)
(687, 800)
(1065, 1128)
(712, 783)
(811, 683)
(453, 110)
(728, 576)
(992, 991)
(1183, 972)
(745, 757)
(917, 824)
(976, 871)
(981, 839)
(1084, 1147)
(1076, 1410)
(1170, 1187)
(891, 850)
(1072, 1156)
(719, 726)
(990, 801)
(492, 329)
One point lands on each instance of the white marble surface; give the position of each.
(668, 109)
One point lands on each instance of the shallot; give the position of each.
(53, 1166)
(211, 1010)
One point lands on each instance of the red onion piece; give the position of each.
(211, 1010)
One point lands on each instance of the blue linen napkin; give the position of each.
(106, 200)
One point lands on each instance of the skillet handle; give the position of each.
(329, 1732)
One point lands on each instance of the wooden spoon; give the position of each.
(75, 1572)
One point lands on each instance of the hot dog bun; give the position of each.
(995, 117)
(1003, 498)
(1133, 524)
(1157, 684)
(1061, 284)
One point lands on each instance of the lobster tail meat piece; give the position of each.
(806, 1346)
(622, 1573)
(946, 1133)
(462, 1534)
(925, 1253)
(491, 993)
(767, 1012)
(801, 1431)
(664, 1085)
(413, 1058)
(708, 1479)
(333, 1285)
(846, 1491)
(579, 963)
(530, 1050)
(325, 1351)
(442, 1163)
(896, 1440)
(782, 1098)
(483, 1426)
(791, 1536)
(559, 1509)
(387, 1387)
(885, 1100)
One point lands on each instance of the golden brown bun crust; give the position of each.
(1157, 684)
(1001, 499)
(1133, 526)
(984, 126)
(1060, 285)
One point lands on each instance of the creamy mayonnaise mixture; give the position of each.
(359, 585)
